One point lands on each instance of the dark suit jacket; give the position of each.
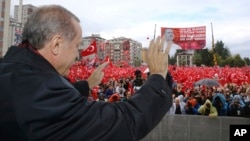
(38, 104)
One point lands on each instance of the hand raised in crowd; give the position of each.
(157, 57)
(97, 75)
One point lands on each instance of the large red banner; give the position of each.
(190, 38)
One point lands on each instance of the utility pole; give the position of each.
(213, 47)
(154, 31)
(20, 9)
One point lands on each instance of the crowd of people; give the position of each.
(231, 98)
(118, 89)
(226, 100)
(38, 101)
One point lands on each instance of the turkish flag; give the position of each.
(107, 59)
(90, 49)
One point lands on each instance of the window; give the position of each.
(117, 46)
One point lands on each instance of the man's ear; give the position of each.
(56, 42)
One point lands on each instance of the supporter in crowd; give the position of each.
(127, 96)
(137, 83)
(236, 106)
(193, 99)
(101, 97)
(178, 91)
(120, 89)
(247, 95)
(189, 108)
(209, 93)
(178, 106)
(127, 85)
(202, 99)
(227, 95)
(114, 98)
(219, 102)
(246, 110)
(109, 91)
(207, 109)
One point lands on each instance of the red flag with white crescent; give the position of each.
(90, 49)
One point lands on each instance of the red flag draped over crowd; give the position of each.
(91, 49)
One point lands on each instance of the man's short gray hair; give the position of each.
(47, 21)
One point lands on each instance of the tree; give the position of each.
(197, 59)
(229, 61)
(203, 56)
(137, 62)
(238, 62)
(172, 60)
(247, 61)
(222, 54)
(235, 61)
(221, 50)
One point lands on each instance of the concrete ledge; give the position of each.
(194, 128)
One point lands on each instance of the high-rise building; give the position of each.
(99, 43)
(25, 12)
(11, 28)
(123, 51)
(120, 51)
(4, 26)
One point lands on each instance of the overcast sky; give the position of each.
(136, 19)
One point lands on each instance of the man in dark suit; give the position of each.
(38, 103)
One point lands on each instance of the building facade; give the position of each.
(120, 51)
(185, 58)
(4, 26)
(99, 43)
(123, 51)
(11, 28)
(26, 10)
(21, 14)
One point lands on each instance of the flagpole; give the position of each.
(154, 31)
(213, 47)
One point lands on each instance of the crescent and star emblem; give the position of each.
(91, 48)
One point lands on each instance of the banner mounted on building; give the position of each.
(190, 38)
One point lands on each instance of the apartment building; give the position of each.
(4, 26)
(119, 50)
(25, 12)
(99, 44)
(123, 50)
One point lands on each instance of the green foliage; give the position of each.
(247, 61)
(137, 62)
(238, 62)
(203, 56)
(206, 57)
(221, 50)
(197, 59)
(172, 60)
(222, 55)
